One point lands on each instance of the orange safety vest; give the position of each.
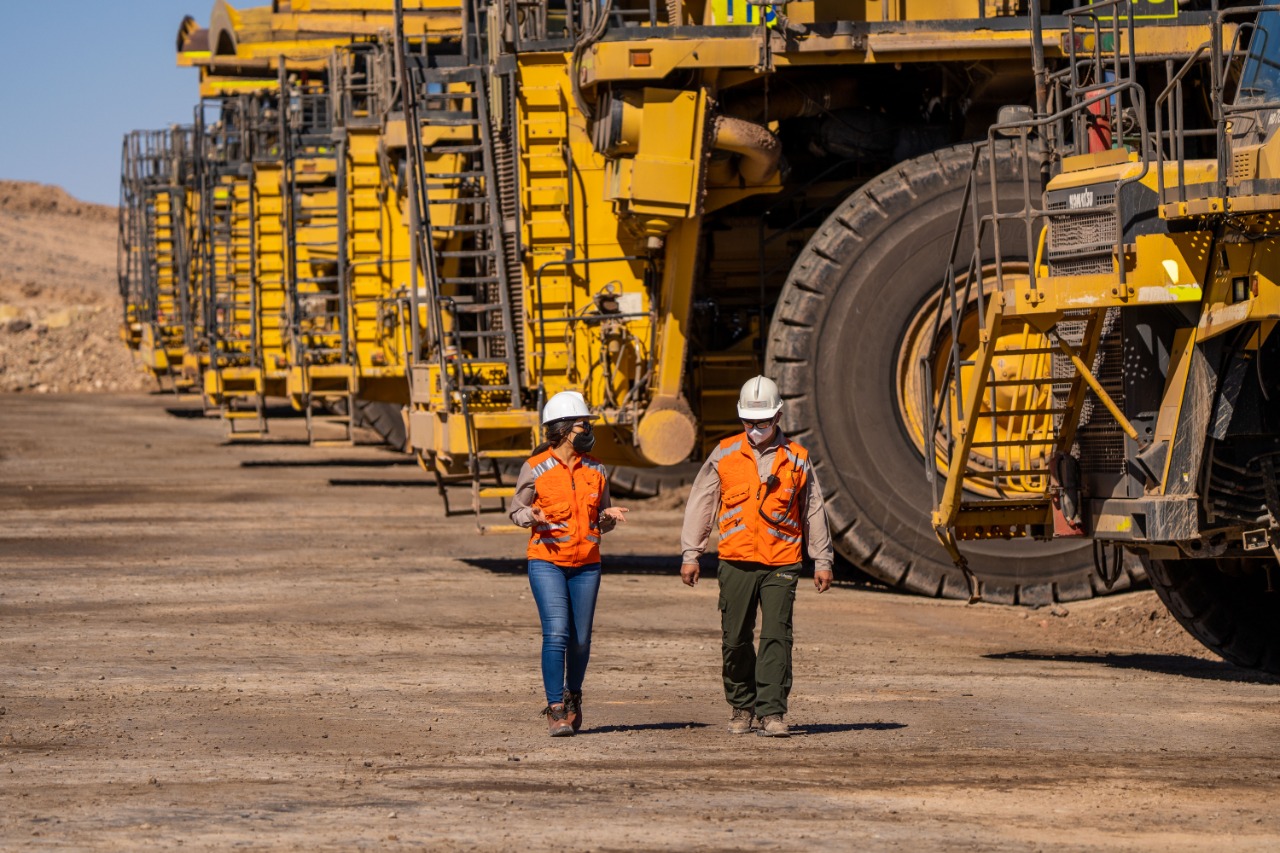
(758, 523)
(570, 500)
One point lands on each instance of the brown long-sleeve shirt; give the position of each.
(704, 500)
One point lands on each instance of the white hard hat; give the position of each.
(566, 404)
(759, 399)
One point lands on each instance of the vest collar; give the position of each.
(551, 455)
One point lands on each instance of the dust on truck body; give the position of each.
(695, 198)
(653, 202)
(1155, 290)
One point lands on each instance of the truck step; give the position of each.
(486, 529)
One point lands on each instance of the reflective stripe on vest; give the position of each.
(737, 510)
(760, 524)
(570, 500)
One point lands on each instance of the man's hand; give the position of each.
(689, 573)
(617, 513)
(538, 516)
(822, 580)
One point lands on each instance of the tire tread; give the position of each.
(793, 337)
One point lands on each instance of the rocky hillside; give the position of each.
(59, 307)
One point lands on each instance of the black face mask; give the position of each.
(584, 441)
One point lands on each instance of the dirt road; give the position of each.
(208, 646)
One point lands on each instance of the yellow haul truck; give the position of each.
(375, 234)
(670, 199)
(305, 232)
(1153, 298)
(652, 202)
(155, 239)
(350, 329)
(244, 271)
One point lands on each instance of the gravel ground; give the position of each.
(270, 646)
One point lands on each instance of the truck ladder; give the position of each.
(464, 259)
(470, 337)
(233, 330)
(315, 206)
(163, 249)
(992, 414)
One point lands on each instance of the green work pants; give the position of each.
(757, 680)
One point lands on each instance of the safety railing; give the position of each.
(1243, 52)
(157, 169)
(1094, 103)
(534, 24)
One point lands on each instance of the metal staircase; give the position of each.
(231, 297)
(161, 246)
(467, 355)
(314, 208)
(129, 255)
(375, 253)
(154, 265)
(1008, 406)
(464, 262)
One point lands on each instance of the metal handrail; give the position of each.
(1076, 89)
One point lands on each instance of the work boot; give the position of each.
(573, 708)
(558, 720)
(773, 726)
(740, 722)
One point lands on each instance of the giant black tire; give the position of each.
(833, 349)
(1230, 611)
(384, 419)
(628, 482)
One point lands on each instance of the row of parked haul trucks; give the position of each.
(1010, 264)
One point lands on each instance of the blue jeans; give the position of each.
(566, 598)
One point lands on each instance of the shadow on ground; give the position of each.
(1184, 665)
(642, 727)
(621, 564)
(195, 411)
(799, 730)
(837, 728)
(389, 462)
(667, 564)
(410, 483)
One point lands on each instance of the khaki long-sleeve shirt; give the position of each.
(704, 500)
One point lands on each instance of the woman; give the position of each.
(563, 495)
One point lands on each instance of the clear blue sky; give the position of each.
(75, 75)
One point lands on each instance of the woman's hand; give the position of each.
(616, 513)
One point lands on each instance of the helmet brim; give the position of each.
(758, 414)
(587, 417)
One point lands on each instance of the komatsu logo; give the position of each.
(1080, 200)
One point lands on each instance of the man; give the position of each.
(760, 490)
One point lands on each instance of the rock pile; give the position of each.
(59, 304)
